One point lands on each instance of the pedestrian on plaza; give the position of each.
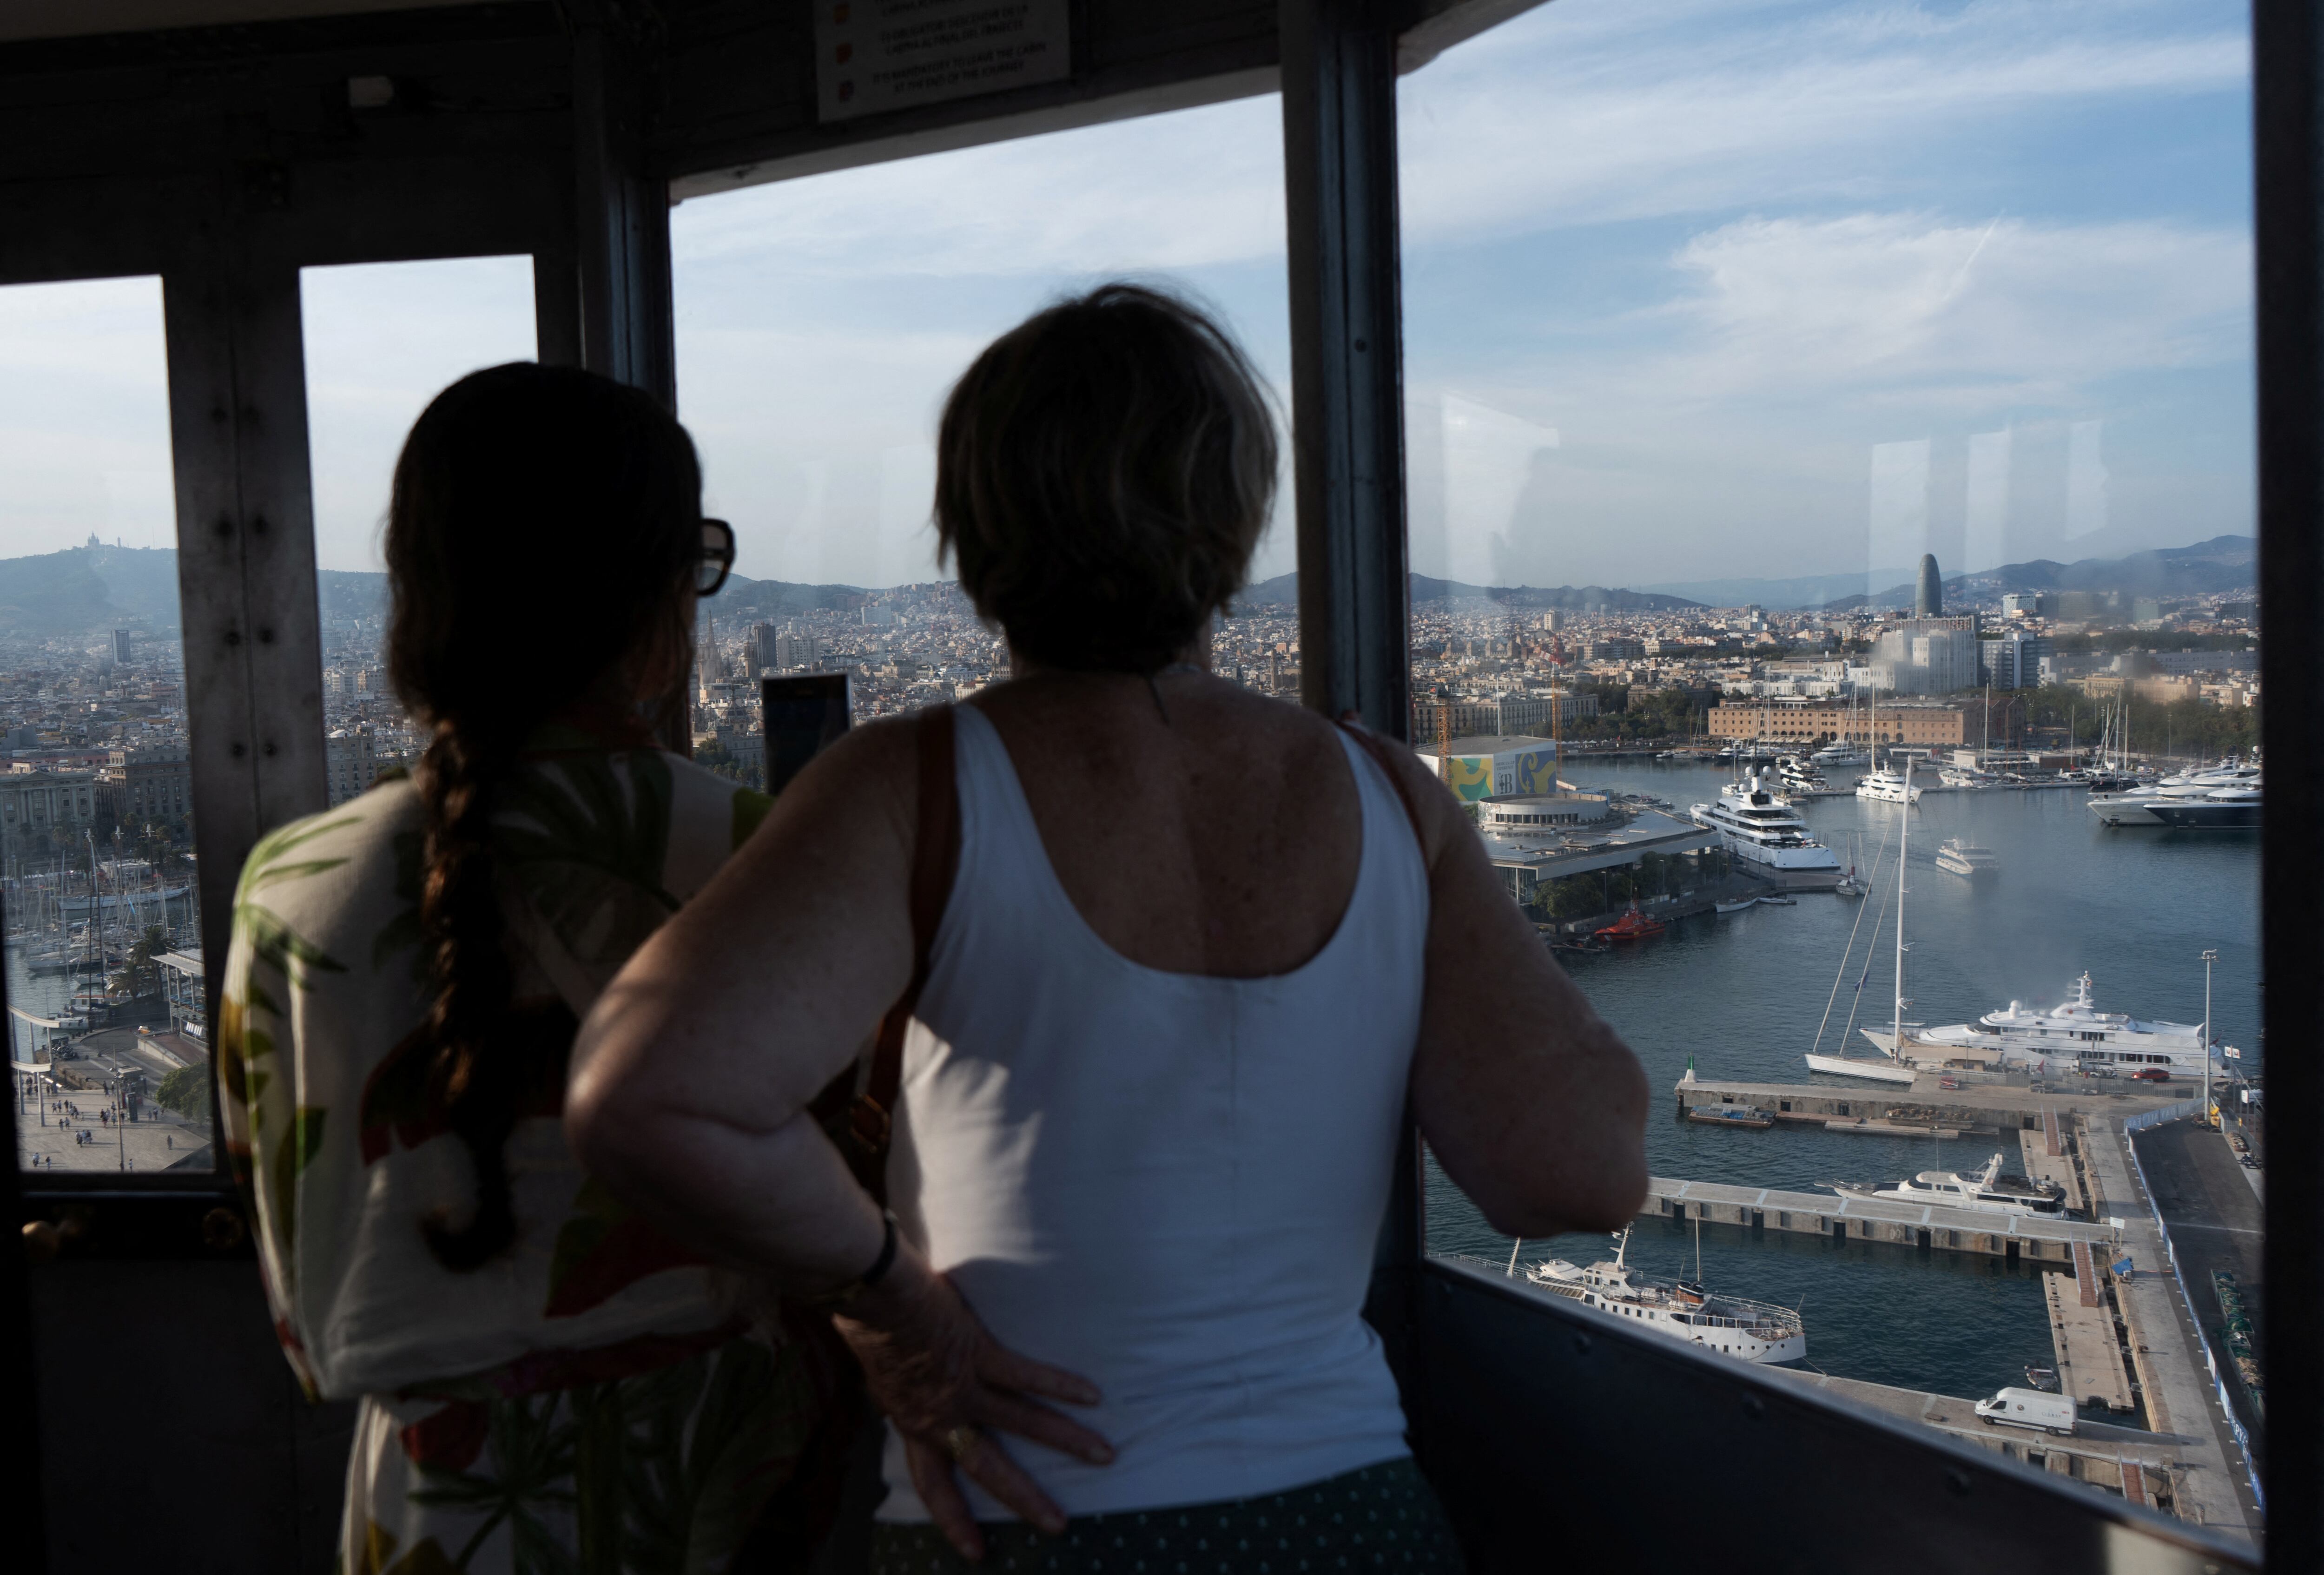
(430, 1246)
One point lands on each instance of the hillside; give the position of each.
(1283, 590)
(2207, 568)
(87, 590)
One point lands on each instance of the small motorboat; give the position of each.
(1737, 906)
(1633, 926)
(1780, 899)
(2045, 1379)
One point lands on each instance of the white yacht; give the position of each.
(1958, 856)
(1987, 1190)
(1759, 827)
(1840, 753)
(1966, 776)
(1757, 1331)
(2073, 1038)
(2235, 808)
(2136, 805)
(1889, 787)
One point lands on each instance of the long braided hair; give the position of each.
(541, 545)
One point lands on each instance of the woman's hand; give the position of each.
(944, 1381)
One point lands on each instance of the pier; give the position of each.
(2012, 1237)
(2174, 1473)
(1976, 1105)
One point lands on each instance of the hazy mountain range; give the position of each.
(2224, 563)
(83, 590)
(1283, 590)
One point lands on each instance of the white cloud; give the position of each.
(382, 340)
(1589, 111)
(2006, 312)
(84, 416)
(1168, 191)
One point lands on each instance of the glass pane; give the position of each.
(107, 1046)
(821, 322)
(1874, 384)
(382, 340)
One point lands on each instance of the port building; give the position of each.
(1493, 764)
(1937, 725)
(1535, 838)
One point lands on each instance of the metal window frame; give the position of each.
(219, 228)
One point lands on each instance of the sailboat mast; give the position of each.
(1904, 842)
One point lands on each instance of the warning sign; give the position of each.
(878, 55)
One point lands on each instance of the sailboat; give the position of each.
(1892, 1069)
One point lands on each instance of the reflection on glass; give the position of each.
(820, 323)
(108, 1048)
(1865, 394)
(382, 340)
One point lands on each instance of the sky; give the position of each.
(1693, 288)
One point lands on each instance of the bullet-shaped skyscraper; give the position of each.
(1929, 591)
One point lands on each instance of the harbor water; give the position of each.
(1743, 995)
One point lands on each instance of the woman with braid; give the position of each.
(547, 1381)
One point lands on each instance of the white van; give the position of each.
(2029, 1408)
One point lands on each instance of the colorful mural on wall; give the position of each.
(1476, 777)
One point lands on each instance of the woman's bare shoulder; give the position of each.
(873, 766)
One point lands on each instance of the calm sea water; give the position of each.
(1744, 995)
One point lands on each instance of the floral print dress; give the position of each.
(592, 1399)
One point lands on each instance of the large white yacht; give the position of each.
(1987, 1190)
(2235, 808)
(2072, 1037)
(2136, 805)
(1840, 752)
(1757, 1331)
(1758, 825)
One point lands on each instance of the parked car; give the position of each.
(2151, 1074)
(1949, 1083)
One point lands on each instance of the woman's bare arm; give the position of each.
(1534, 1106)
(692, 1075)
(689, 1092)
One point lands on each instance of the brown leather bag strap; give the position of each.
(1378, 747)
(935, 860)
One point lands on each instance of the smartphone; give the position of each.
(800, 715)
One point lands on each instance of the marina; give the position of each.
(1742, 994)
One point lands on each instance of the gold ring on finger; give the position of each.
(960, 1442)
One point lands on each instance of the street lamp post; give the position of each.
(2210, 957)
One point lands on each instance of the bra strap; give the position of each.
(1377, 747)
(935, 863)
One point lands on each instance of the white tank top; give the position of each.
(1169, 1182)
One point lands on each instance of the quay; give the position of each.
(2172, 1472)
(2011, 1236)
(1992, 1105)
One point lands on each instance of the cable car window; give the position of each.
(1793, 380)
(382, 339)
(821, 320)
(108, 1055)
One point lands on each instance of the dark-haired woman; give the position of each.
(548, 1381)
(1196, 949)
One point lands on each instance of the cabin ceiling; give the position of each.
(31, 19)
